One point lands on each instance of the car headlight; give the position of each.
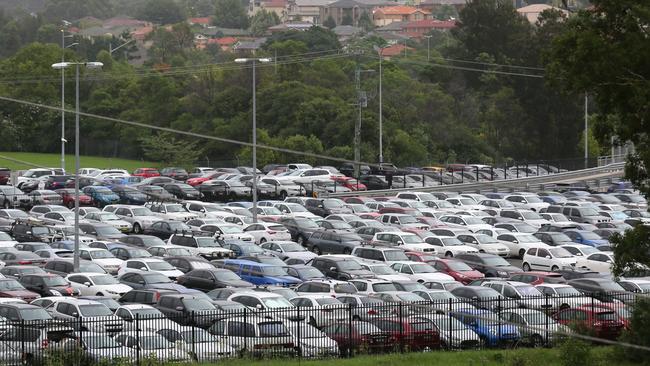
(55, 293)
(502, 273)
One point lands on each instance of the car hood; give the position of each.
(288, 279)
(237, 283)
(21, 294)
(170, 286)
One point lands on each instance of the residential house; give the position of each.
(125, 22)
(307, 10)
(200, 41)
(203, 21)
(350, 10)
(386, 15)
(298, 26)
(225, 43)
(433, 6)
(417, 29)
(532, 12)
(141, 34)
(346, 32)
(395, 50)
(279, 7)
(249, 47)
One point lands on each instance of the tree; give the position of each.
(161, 12)
(230, 14)
(365, 22)
(329, 22)
(347, 19)
(262, 20)
(168, 150)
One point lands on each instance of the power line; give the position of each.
(453, 67)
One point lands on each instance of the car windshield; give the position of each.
(407, 220)
(307, 224)
(533, 199)
(307, 331)
(231, 229)
(87, 266)
(495, 261)
(459, 266)
(447, 323)
(383, 287)
(441, 295)
(530, 215)
(527, 238)
(142, 211)
(104, 280)
(348, 265)
(198, 305)
(538, 318)
(108, 216)
(411, 239)
(395, 255)
(485, 239)
(95, 310)
(567, 291)
(174, 208)
(106, 230)
(276, 302)
(296, 208)
(101, 254)
(291, 247)
(382, 270)
(528, 291)
(160, 266)
(182, 252)
(10, 285)
(198, 336)
(271, 211)
(560, 237)
(560, 253)
(451, 241)
(274, 271)
(207, 242)
(152, 241)
(422, 268)
(409, 297)
(588, 235)
(42, 230)
(157, 277)
(273, 329)
(54, 281)
(103, 190)
(607, 315)
(178, 226)
(332, 203)
(470, 220)
(154, 342)
(345, 288)
(34, 314)
(146, 313)
(360, 208)
(341, 225)
(100, 342)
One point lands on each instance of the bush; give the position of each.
(574, 352)
(638, 334)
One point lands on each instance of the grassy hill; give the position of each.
(21, 161)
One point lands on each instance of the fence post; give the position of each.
(349, 330)
(423, 180)
(400, 308)
(194, 354)
(449, 336)
(245, 334)
(404, 177)
(299, 345)
(476, 174)
(538, 169)
(22, 339)
(492, 173)
(499, 320)
(334, 185)
(137, 338)
(546, 332)
(517, 169)
(526, 169)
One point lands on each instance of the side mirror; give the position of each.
(278, 250)
(29, 233)
(129, 215)
(333, 269)
(258, 307)
(202, 210)
(400, 242)
(179, 308)
(516, 241)
(144, 269)
(141, 282)
(75, 314)
(548, 257)
(87, 284)
(609, 262)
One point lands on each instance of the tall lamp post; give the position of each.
(428, 42)
(63, 48)
(381, 116)
(76, 65)
(254, 61)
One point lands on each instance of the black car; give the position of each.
(144, 296)
(481, 297)
(48, 284)
(141, 241)
(348, 169)
(28, 231)
(11, 196)
(183, 191)
(326, 207)
(130, 195)
(156, 181)
(188, 264)
(210, 279)
(374, 182)
(101, 231)
(175, 173)
(64, 267)
(54, 182)
(125, 252)
(489, 264)
(603, 289)
(24, 313)
(165, 229)
(20, 270)
(149, 280)
(553, 238)
(340, 268)
(300, 229)
(155, 193)
(332, 242)
(188, 310)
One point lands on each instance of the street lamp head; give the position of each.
(72, 45)
(61, 65)
(94, 65)
(264, 60)
(241, 60)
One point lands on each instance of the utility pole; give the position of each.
(381, 132)
(586, 131)
(428, 41)
(357, 124)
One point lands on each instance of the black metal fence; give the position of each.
(321, 327)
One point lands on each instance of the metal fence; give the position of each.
(324, 329)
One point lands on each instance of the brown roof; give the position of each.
(431, 24)
(394, 50)
(203, 20)
(400, 10)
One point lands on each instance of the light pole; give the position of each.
(362, 102)
(428, 39)
(381, 116)
(63, 66)
(586, 131)
(111, 49)
(63, 48)
(254, 61)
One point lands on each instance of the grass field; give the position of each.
(54, 161)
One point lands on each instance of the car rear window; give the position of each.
(273, 329)
(607, 315)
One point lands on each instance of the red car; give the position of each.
(12, 288)
(537, 277)
(421, 257)
(4, 176)
(67, 194)
(204, 178)
(621, 310)
(601, 322)
(416, 334)
(350, 183)
(362, 200)
(146, 172)
(460, 271)
(359, 335)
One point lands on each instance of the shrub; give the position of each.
(574, 352)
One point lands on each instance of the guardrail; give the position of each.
(593, 177)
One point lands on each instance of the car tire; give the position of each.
(312, 322)
(70, 205)
(283, 195)
(537, 341)
(521, 253)
(526, 267)
(565, 306)
(449, 255)
(99, 294)
(555, 268)
(301, 240)
(347, 251)
(137, 229)
(262, 241)
(316, 250)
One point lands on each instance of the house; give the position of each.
(299, 26)
(394, 51)
(200, 41)
(386, 15)
(279, 7)
(350, 10)
(433, 6)
(225, 43)
(532, 12)
(203, 21)
(124, 22)
(141, 34)
(249, 47)
(307, 10)
(418, 28)
(345, 32)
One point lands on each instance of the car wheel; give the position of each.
(356, 317)
(481, 251)
(565, 306)
(449, 254)
(347, 251)
(99, 294)
(526, 267)
(316, 250)
(555, 268)
(537, 341)
(262, 241)
(137, 228)
(521, 253)
(283, 195)
(312, 322)
(70, 205)
(6, 205)
(301, 240)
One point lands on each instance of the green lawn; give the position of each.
(54, 160)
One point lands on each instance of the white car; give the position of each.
(139, 217)
(419, 271)
(171, 211)
(288, 249)
(97, 284)
(529, 202)
(305, 176)
(204, 209)
(384, 272)
(565, 296)
(547, 259)
(295, 210)
(227, 232)
(485, 244)
(103, 258)
(320, 310)
(203, 246)
(149, 318)
(598, 262)
(493, 232)
(284, 189)
(6, 241)
(580, 250)
(405, 241)
(465, 203)
(267, 231)
(109, 218)
(449, 246)
(519, 243)
(556, 218)
(530, 217)
(149, 264)
(31, 175)
(58, 218)
(471, 223)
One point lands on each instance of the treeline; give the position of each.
(479, 99)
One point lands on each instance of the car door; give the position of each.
(544, 259)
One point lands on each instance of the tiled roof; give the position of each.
(399, 10)
(431, 23)
(203, 20)
(394, 50)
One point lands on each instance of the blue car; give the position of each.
(260, 273)
(130, 195)
(489, 327)
(101, 195)
(586, 237)
(241, 248)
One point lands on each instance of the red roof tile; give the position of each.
(394, 50)
(204, 20)
(399, 10)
